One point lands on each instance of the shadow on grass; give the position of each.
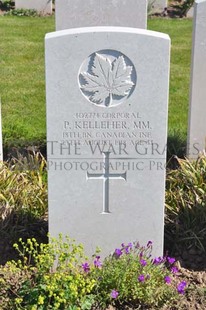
(15, 227)
(176, 147)
(189, 255)
(10, 152)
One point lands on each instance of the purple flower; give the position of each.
(181, 287)
(170, 260)
(174, 269)
(118, 252)
(143, 262)
(157, 260)
(97, 262)
(130, 245)
(86, 267)
(127, 248)
(167, 279)
(114, 294)
(141, 278)
(140, 255)
(149, 243)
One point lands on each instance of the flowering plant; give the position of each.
(59, 276)
(55, 276)
(132, 276)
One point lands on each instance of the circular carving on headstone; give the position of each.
(107, 78)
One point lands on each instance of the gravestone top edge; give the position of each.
(100, 29)
(199, 1)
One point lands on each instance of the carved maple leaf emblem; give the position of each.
(108, 79)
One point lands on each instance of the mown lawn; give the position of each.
(22, 84)
(180, 32)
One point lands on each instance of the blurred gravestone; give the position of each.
(81, 13)
(42, 6)
(197, 114)
(190, 13)
(156, 6)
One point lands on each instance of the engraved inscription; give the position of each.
(108, 80)
(108, 128)
(106, 176)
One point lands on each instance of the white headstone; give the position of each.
(157, 5)
(197, 113)
(81, 13)
(1, 141)
(42, 6)
(107, 102)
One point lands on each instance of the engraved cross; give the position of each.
(106, 176)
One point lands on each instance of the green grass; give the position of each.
(180, 32)
(22, 86)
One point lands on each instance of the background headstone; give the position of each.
(157, 5)
(190, 13)
(197, 114)
(1, 141)
(81, 13)
(42, 6)
(106, 135)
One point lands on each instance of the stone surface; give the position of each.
(157, 5)
(1, 141)
(197, 114)
(81, 13)
(42, 6)
(106, 135)
(190, 13)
